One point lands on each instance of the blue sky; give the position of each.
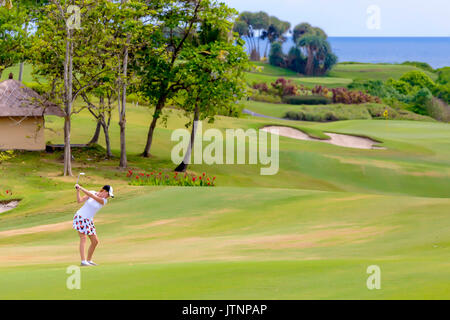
(351, 17)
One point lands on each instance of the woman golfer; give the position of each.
(83, 221)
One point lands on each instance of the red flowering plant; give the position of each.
(6, 194)
(159, 178)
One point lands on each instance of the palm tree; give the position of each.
(314, 45)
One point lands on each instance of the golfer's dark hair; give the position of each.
(106, 187)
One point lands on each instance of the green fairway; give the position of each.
(340, 76)
(369, 71)
(309, 82)
(308, 232)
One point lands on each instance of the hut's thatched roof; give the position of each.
(17, 100)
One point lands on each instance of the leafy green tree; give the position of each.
(275, 32)
(13, 40)
(276, 56)
(250, 26)
(296, 61)
(214, 78)
(420, 101)
(418, 79)
(317, 49)
(160, 63)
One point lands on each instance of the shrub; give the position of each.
(420, 101)
(295, 60)
(351, 112)
(343, 95)
(443, 75)
(400, 86)
(276, 56)
(328, 113)
(418, 79)
(376, 88)
(422, 65)
(310, 100)
(285, 87)
(160, 178)
(261, 87)
(265, 98)
(438, 109)
(442, 91)
(320, 90)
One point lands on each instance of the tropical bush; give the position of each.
(420, 101)
(310, 100)
(442, 91)
(328, 113)
(276, 55)
(418, 79)
(320, 90)
(367, 111)
(262, 97)
(438, 109)
(261, 87)
(443, 75)
(160, 178)
(285, 87)
(343, 95)
(422, 65)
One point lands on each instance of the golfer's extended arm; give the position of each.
(93, 196)
(80, 199)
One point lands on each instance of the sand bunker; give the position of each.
(8, 206)
(342, 140)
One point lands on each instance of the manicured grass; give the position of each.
(308, 232)
(340, 111)
(309, 82)
(15, 70)
(340, 76)
(369, 71)
(241, 249)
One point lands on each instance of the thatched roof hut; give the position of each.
(22, 113)
(17, 100)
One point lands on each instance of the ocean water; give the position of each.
(433, 50)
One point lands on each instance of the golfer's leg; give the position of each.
(82, 246)
(94, 243)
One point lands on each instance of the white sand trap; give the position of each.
(8, 206)
(342, 140)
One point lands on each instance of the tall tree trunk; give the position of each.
(97, 133)
(107, 140)
(310, 62)
(68, 69)
(267, 46)
(22, 63)
(151, 130)
(20, 72)
(123, 120)
(182, 167)
(67, 149)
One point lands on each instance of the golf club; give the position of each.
(80, 174)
